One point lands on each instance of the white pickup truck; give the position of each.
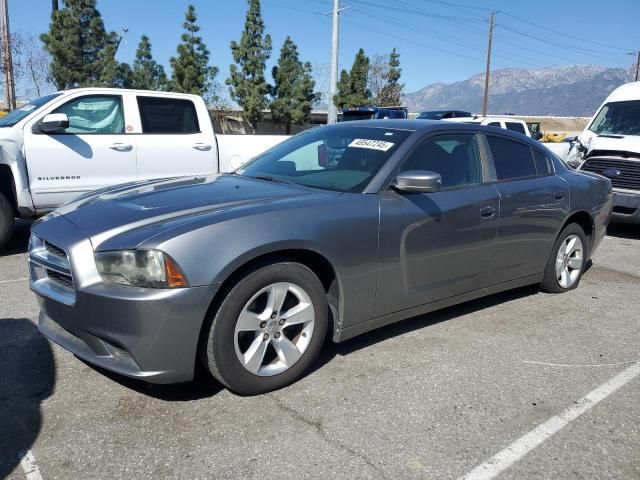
(61, 145)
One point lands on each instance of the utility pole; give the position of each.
(637, 65)
(7, 60)
(485, 100)
(54, 6)
(332, 114)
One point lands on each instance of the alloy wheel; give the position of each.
(274, 329)
(569, 261)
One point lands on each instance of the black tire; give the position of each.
(218, 351)
(7, 218)
(550, 282)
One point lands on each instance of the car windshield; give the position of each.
(342, 158)
(431, 115)
(18, 114)
(618, 118)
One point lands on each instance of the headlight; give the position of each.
(140, 268)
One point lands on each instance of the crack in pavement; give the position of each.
(319, 428)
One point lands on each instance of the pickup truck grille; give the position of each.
(629, 177)
(50, 268)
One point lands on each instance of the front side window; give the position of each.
(343, 159)
(455, 157)
(511, 159)
(618, 118)
(167, 115)
(516, 127)
(494, 124)
(94, 114)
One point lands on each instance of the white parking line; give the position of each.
(28, 464)
(15, 280)
(518, 449)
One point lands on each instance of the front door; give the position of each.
(94, 152)
(437, 245)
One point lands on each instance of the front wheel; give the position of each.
(268, 330)
(6, 221)
(567, 261)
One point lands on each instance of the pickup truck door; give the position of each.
(175, 138)
(93, 152)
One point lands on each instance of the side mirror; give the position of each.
(537, 135)
(54, 123)
(418, 181)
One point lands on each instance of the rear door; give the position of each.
(94, 152)
(533, 204)
(175, 139)
(437, 245)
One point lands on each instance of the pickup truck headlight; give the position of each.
(140, 268)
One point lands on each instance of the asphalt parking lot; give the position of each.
(521, 384)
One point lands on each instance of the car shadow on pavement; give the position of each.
(366, 340)
(19, 240)
(624, 230)
(27, 377)
(202, 386)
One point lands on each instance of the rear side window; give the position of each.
(167, 115)
(511, 159)
(516, 127)
(543, 164)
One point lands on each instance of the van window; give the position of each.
(516, 127)
(94, 114)
(512, 159)
(167, 115)
(618, 118)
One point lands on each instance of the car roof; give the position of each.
(427, 126)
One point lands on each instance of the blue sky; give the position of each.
(439, 40)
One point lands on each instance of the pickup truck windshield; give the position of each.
(343, 159)
(618, 118)
(18, 114)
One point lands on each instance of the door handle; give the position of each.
(558, 195)
(487, 212)
(121, 147)
(201, 146)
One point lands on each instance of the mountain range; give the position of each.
(574, 90)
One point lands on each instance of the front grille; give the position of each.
(60, 278)
(51, 271)
(57, 251)
(629, 177)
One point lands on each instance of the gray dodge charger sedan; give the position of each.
(339, 230)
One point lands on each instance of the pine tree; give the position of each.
(191, 70)
(247, 83)
(82, 51)
(147, 74)
(292, 93)
(391, 92)
(352, 86)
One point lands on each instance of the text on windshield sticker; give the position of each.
(371, 144)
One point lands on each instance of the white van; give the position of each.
(610, 146)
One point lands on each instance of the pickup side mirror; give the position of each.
(54, 123)
(537, 136)
(418, 181)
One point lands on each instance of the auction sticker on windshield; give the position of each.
(371, 144)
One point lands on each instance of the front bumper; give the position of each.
(626, 206)
(151, 334)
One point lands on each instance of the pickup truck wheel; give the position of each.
(268, 330)
(567, 261)
(6, 221)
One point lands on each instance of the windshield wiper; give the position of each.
(271, 178)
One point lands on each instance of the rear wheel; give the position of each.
(567, 261)
(6, 221)
(268, 330)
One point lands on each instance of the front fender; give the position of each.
(11, 155)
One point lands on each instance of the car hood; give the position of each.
(627, 143)
(114, 211)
